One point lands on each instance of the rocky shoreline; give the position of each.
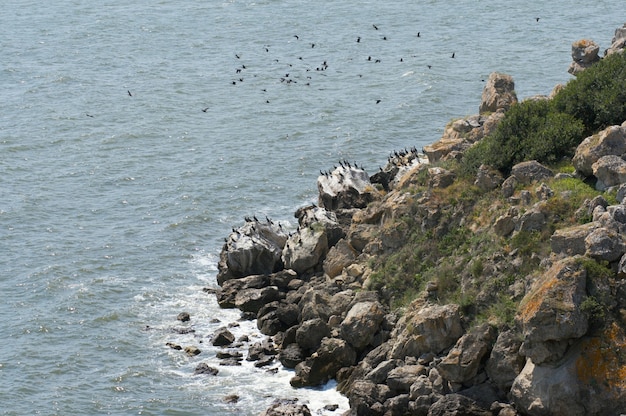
(312, 290)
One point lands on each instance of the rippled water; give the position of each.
(116, 189)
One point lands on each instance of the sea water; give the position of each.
(135, 134)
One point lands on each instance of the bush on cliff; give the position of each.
(531, 130)
(597, 96)
(547, 130)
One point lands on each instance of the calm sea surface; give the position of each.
(117, 189)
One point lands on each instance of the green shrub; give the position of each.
(530, 130)
(597, 96)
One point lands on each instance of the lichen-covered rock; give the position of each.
(610, 171)
(550, 314)
(610, 141)
(605, 244)
(498, 93)
(590, 380)
(571, 240)
(361, 323)
(531, 171)
(432, 328)
(584, 54)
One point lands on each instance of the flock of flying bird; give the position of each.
(290, 77)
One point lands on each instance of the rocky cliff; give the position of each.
(425, 291)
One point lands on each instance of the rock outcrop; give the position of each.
(519, 308)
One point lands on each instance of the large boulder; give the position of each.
(531, 171)
(584, 54)
(333, 354)
(312, 214)
(345, 187)
(252, 300)
(339, 256)
(464, 360)
(571, 240)
(254, 248)
(432, 328)
(287, 407)
(306, 248)
(361, 323)
(550, 313)
(610, 171)
(590, 380)
(605, 244)
(457, 405)
(610, 141)
(498, 93)
(505, 362)
(618, 43)
(310, 334)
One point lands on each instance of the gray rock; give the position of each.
(361, 323)
(310, 333)
(508, 186)
(505, 362)
(610, 141)
(498, 93)
(255, 248)
(488, 178)
(222, 337)
(401, 378)
(571, 240)
(339, 256)
(379, 374)
(432, 328)
(252, 300)
(183, 317)
(610, 171)
(345, 187)
(287, 408)
(365, 394)
(457, 405)
(605, 244)
(531, 171)
(204, 368)
(291, 355)
(504, 225)
(306, 248)
(464, 359)
(550, 314)
(333, 354)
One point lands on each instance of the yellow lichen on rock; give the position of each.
(603, 359)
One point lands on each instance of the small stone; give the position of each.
(174, 346)
(183, 317)
(204, 368)
(231, 398)
(191, 350)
